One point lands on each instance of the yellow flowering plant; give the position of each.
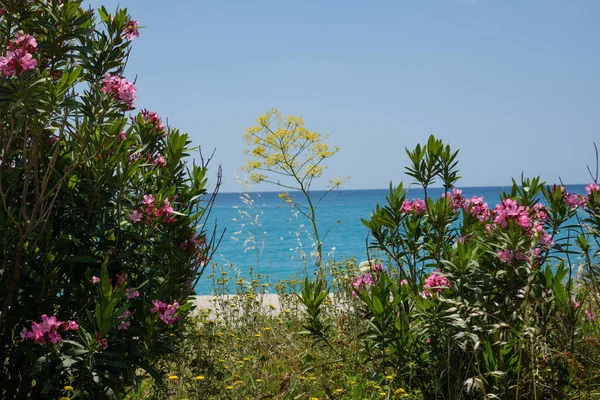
(281, 151)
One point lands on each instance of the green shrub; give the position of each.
(101, 219)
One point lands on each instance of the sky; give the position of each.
(513, 84)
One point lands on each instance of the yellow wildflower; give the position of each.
(200, 378)
(173, 377)
(69, 388)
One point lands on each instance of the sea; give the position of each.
(263, 233)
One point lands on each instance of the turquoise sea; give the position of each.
(262, 233)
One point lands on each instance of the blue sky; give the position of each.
(515, 85)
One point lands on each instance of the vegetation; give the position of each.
(101, 219)
(103, 239)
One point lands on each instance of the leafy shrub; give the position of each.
(101, 219)
(486, 303)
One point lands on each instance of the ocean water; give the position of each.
(263, 233)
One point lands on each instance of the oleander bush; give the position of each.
(101, 217)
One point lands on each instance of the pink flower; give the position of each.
(436, 283)
(160, 160)
(135, 216)
(546, 239)
(131, 29)
(27, 62)
(403, 282)
(122, 136)
(591, 188)
(19, 57)
(132, 293)
(576, 305)
(377, 268)
(166, 311)
(103, 342)
(416, 205)
(406, 207)
(419, 206)
(505, 256)
(154, 120)
(95, 279)
(125, 314)
(477, 208)
(72, 326)
(120, 89)
(574, 200)
(124, 325)
(589, 315)
(148, 199)
(456, 199)
(49, 329)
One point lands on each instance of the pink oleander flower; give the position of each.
(48, 330)
(589, 315)
(576, 304)
(407, 207)
(166, 211)
(153, 119)
(436, 283)
(148, 199)
(103, 342)
(72, 326)
(166, 311)
(361, 282)
(574, 200)
(546, 239)
(505, 256)
(122, 136)
(377, 268)
(419, 206)
(27, 62)
(123, 326)
(160, 160)
(125, 314)
(131, 30)
(19, 58)
(477, 208)
(136, 216)
(403, 282)
(457, 201)
(416, 205)
(120, 89)
(132, 293)
(95, 279)
(591, 188)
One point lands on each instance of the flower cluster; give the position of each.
(593, 191)
(530, 219)
(48, 330)
(19, 57)
(477, 208)
(120, 88)
(124, 325)
(457, 201)
(435, 283)
(166, 311)
(361, 282)
(152, 118)
(416, 205)
(131, 30)
(151, 211)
